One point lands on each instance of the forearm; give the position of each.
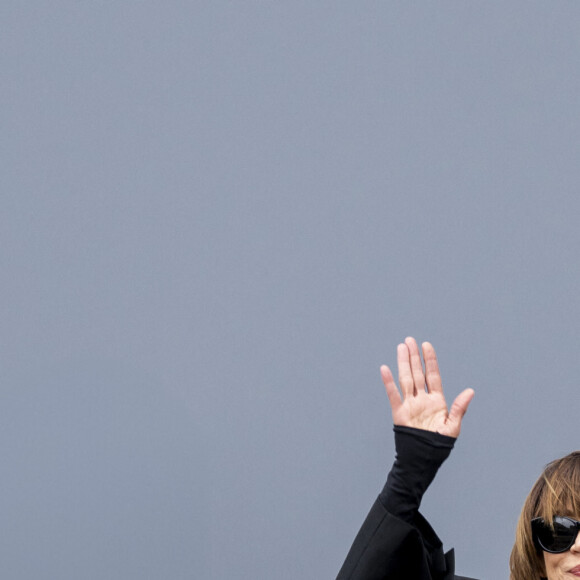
(419, 455)
(395, 542)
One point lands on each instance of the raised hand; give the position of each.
(423, 404)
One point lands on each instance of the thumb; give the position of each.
(459, 407)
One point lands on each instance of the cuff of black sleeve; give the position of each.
(431, 438)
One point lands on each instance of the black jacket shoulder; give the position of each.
(387, 548)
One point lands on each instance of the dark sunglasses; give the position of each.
(557, 538)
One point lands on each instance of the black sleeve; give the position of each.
(395, 542)
(419, 455)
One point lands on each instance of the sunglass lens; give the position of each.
(560, 538)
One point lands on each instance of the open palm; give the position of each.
(422, 404)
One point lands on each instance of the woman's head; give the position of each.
(555, 493)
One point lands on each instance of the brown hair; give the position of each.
(556, 492)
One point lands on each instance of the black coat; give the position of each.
(387, 548)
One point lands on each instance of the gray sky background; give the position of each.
(219, 218)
